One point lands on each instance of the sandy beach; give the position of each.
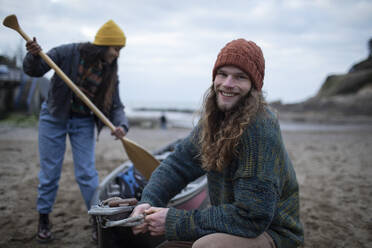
(333, 167)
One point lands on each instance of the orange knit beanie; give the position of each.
(245, 55)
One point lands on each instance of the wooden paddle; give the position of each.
(142, 160)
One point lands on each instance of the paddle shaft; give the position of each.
(73, 87)
(144, 161)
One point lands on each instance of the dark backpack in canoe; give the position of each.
(131, 183)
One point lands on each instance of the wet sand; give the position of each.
(333, 167)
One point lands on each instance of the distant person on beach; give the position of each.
(93, 68)
(163, 121)
(253, 189)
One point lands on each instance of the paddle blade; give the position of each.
(141, 159)
(11, 22)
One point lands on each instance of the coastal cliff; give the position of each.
(343, 94)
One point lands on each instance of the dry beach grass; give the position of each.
(333, 168)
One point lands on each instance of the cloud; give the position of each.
(173, 44)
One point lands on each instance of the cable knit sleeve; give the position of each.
(174, 173)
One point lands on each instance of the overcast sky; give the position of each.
(172, 45)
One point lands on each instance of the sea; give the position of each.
(186, 115)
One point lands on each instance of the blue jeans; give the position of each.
(52, 147)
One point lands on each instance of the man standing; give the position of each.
(93, 67)
(252, 185)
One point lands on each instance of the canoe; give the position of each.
(124, 181)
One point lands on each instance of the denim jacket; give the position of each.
(59, 94)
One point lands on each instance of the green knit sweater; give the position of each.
(257, 192)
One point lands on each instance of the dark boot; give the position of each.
(44, 234)
(93, 220)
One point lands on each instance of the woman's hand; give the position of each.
(118, 132)
(33, 47)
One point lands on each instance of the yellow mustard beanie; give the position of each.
(110, 34)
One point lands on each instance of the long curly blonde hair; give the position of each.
(221, 131)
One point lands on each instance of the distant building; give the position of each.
(19, 92)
